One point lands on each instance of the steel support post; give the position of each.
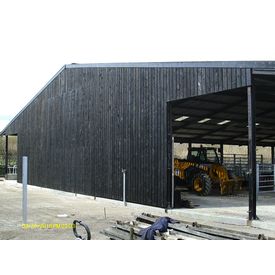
(251, 152)
(273, 165)
(221, 152)
(7, 155)
(257, 180)
(25, 189)
(170, 159)
(173, 182)
(124, 186)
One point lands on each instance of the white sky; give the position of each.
(39, 37)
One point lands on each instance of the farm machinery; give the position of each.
(202, 172)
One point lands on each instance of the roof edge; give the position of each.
(27, 105)
(260, 64)
(189, 64)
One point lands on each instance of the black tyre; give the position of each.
(202, 184)
(87, 229)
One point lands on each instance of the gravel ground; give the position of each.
(49, 207)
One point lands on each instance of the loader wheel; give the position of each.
(202, 184)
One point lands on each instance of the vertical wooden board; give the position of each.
(114, 130)
(165, 89)
(146, 133)
(107, 135)
(248, 77)
(138, 130)
(140, 154)
(150, 134)
(203, 80)
(189, 90)
(164, 141)
(229, 78)
(239, 77)
(114, 133)
(186, 82)
(131, 190)
(216, 80)
(178, 83)
(220, 79)
(124, 120)
(130, 148)
(193, 85)
(97, 137)
(207, 80)
(233, 78)
(135, 128)
(120, 125)
(224, 78)
(213, 80)
(243, 77)
(155, 159)
(92, 123)
(132, 128)
(195, 80)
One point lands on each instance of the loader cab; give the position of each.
(203, 155)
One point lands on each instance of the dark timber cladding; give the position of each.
(91, 121)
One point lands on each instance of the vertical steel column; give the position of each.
(25, 188)
(251, 152)
(173, 182)
(169, 155)
(124, 186)
(7, 155)
(273, 166)
(221, 152)
(257, 179)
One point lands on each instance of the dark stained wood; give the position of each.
(89, 123)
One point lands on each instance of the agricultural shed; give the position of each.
(91, 121)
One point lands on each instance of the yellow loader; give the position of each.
(202, 172)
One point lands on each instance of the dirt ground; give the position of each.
(49, 207)
(45, 206)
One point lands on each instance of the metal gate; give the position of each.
(238, 163)
(265, 178)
